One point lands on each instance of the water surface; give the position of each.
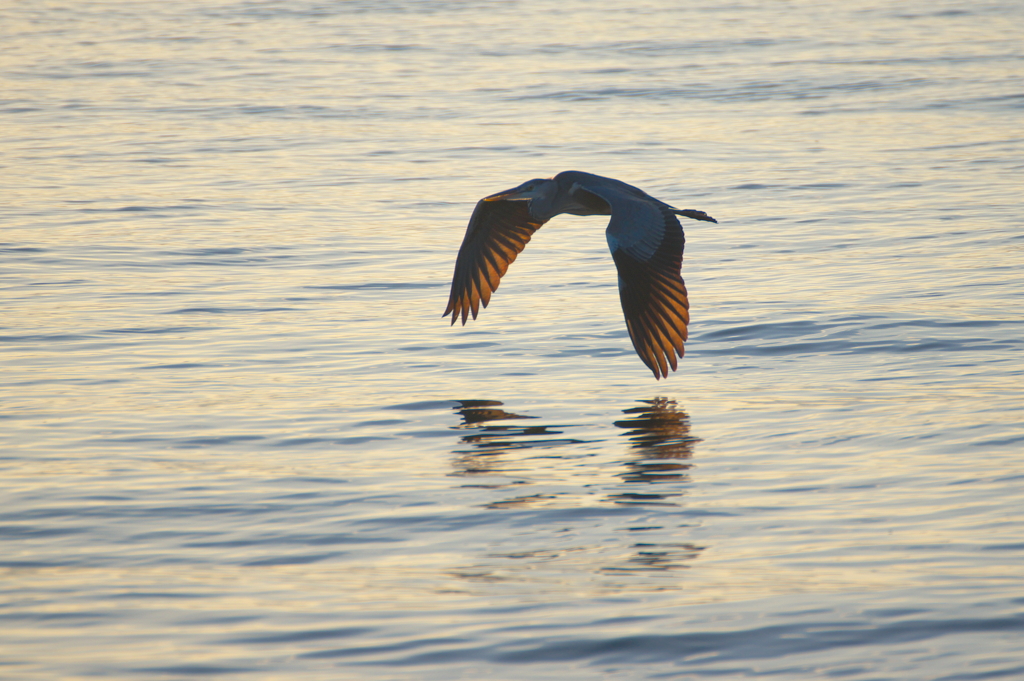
(239, 441)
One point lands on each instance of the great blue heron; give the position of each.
(643, 234)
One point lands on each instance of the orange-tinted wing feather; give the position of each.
(654, 299)
(497, 234)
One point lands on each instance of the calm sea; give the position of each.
(238, 441)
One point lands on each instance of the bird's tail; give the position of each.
(695, 215)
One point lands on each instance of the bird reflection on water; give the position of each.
(659, 435)
(660, 447)
(480, 411)
(658, 432)
(476, 413)
(487, 438)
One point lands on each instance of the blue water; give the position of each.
(239, 441)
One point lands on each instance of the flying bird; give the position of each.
(643, 234)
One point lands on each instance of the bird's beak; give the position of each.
(515, 194)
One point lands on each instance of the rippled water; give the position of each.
(239, 441)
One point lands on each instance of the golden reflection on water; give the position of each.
(660, 447)
(487, 439)
(221, 283)
(660, 435)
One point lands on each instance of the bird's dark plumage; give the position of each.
(497, 233)
(654, 300)
(643, 234)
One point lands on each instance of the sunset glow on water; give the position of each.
(238, 439)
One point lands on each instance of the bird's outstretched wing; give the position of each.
(646, 242)
(653, 298)
(497, 234)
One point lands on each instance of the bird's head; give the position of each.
(531, 189)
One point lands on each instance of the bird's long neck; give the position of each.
(555, 198)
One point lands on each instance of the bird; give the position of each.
(644, 236)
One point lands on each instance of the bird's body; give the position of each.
(643, 234)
